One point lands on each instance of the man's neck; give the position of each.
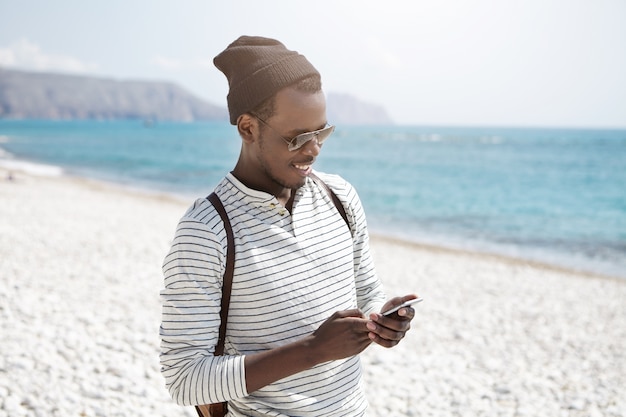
(285, 196)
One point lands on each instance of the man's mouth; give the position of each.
(304, 168)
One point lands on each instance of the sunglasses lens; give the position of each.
(321, 136)
(324, 134)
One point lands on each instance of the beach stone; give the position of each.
(13, 405)
(502, 390)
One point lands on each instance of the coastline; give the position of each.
(26, 168)
(80, 312)
(496, 257)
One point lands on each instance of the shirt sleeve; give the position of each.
(370, 292)
(193, 275)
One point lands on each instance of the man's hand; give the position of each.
(342, 335)
(387, 331)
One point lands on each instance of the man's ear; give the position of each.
(247, 127)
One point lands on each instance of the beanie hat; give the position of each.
(256, 69)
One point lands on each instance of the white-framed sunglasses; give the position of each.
(298, 141)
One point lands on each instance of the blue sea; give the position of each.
(556, 196)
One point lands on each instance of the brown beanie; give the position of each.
(256, 69)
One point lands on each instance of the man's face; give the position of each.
(295, 112)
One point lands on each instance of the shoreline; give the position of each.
(518, 261)
(80, 312)
(45, 171)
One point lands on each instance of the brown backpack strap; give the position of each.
(228, 272)
(220, 409)
(333, 197)
(212, 410)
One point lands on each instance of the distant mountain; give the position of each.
(346, 109)
(32, 95)
(35, 95)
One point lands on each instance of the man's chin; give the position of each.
(291, 183)
(298, 184)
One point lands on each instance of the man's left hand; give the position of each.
(388, 330)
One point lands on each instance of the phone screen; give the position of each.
(405, 304)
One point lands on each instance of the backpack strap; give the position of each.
(220, 409)
(228, 272)
(333, 197)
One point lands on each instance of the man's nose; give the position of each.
(312, 147)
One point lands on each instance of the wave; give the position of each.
(33, 168)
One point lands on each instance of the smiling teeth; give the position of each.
(302, 167)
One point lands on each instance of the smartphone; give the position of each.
(405, 304)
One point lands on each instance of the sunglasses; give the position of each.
(298, 141)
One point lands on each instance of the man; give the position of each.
(305, 296)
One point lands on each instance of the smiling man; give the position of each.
(305, 298)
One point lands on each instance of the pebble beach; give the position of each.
(80, 275)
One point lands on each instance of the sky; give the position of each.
(526, 63)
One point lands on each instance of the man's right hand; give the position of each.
(342, 335)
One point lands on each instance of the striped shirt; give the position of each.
(292, 272)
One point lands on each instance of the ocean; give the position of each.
(556, 196)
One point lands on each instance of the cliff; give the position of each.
(52, 96)
(31, 95)
(348, 110)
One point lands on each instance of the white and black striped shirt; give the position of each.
(292, 272)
